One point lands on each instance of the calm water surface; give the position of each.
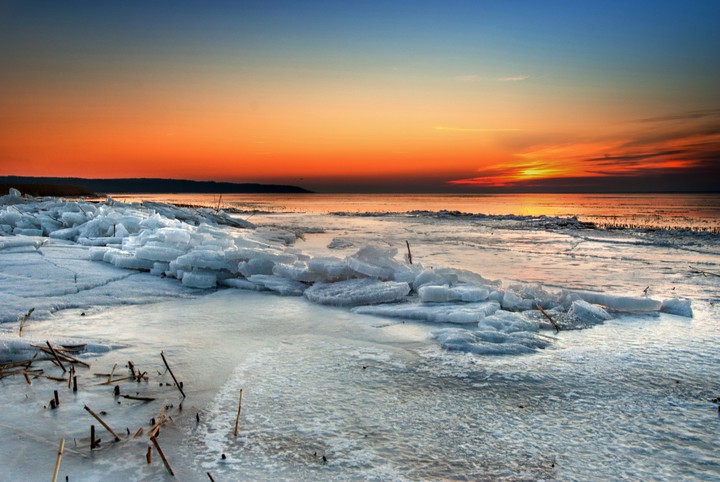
(694, 211)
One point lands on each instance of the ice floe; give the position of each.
(204, 249)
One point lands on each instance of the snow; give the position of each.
(404, 354)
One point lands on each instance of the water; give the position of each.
(691, 211)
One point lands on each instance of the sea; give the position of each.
(671, 211)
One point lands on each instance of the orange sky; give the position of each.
(310, 107)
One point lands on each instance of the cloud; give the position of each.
(473, 129)
(513, 78)
(477, 78)
(683, 116)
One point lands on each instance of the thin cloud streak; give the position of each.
(477, 78)
(473, 129)
(689, 151)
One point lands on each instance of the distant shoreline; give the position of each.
(75, 186)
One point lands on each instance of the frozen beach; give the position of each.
(355, 363)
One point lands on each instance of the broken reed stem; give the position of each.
(112, 372)
(63, 355)
(52, 350)
(703, 272)
(23, 319)
(117, 380)
(142, 399)
(92, 437)
(107, 427)
(557, 327)
(162, 456)
(210, 476)
(177, 384)
(237, 418)
(148, 456)
(409, 253)
(154, 430)
(59, 459)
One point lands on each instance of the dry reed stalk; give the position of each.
(23, 319)
(112, 372)
(59, 459)
(107, 427)
(142, 399)
(237, 418)
(92, 437)
(139, 432)
(148, 456)
(703, 272)
(210, 476)
(116, 380)
(56, 356)
(557, 327)
(156, 426)
(162, 456)
(177, 384)
(62, 355)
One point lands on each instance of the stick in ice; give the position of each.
(177, 384)
(59, 459)
(237, 418)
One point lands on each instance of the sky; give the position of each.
(368, 96)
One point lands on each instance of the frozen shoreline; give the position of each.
(306, 361)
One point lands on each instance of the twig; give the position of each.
(148, 456)
(557, 327)
(59, 458)
(63, 355)
(162, 456)
(112, 372)
(154, 430)
(107, 427)
(52, 350)
(210, 476)
(237, 418)
(172, 374)
(23, 319)
(703, 272)
(142, 399)
(409, 253)
(116, 380)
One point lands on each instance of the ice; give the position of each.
(587, 313)
(620, 303)
(677, 306)
(330, 268)
(356, 292)
(199, 279)
(282, 286)
(379, 262)
(330, 381)
(469, 313)
(444, 294)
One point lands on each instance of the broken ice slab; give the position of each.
(619, 303)
(470, 313)
(356, 292)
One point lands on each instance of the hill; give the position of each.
(150, 185)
